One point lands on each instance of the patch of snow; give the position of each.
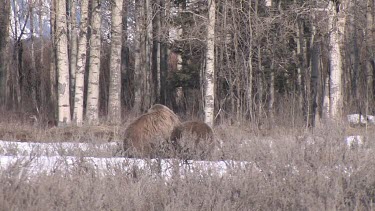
(105, 166)
(354, 141)
(50, 149)
(371, 119)
(356, 119)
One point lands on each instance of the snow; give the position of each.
(105, 166)
(51, 149)
(356, 119)
(352, 141)
(33, 158)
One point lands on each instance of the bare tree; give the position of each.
(336, 26)
(138, 39)
(92, 111)
(73, 47)
(33, 74)
(81, 65)
(4, 42)
(114, 104)
(62, 64)
(53, 75)
(210, 66)
(370, 59)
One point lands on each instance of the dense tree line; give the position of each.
(265, 62)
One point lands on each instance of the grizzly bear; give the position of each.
(145, 134)
(192, 140)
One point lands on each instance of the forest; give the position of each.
(285, 88)
(262, 62)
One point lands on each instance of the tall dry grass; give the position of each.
(295, 170)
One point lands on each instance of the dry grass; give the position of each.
(297, 170)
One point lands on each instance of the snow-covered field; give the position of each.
(34, 158)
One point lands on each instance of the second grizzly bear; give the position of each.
(143, 135)
(193, 139)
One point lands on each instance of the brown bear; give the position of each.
(192, 140)
(143, 135)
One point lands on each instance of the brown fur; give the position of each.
(142, 135)
(199, 135)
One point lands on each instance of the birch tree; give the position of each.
(114, 104)
(209, 97)
(92, 111)
(81, 64)
(62, 64)
(336, 23)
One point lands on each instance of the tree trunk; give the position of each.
(336, 24)
(81, 65)
(33, 71)
(370, 57)
(53, 75)
(43, 79)
(138, 79)
(125, 71)
(260, 84)
(356, 60)
(92, 110)
(114, 104)
(314, 65)
(272, 93)
(73, 47)
(164, 16)
(250, 67)
(62, 64)
(4, 41)
(150, 97)
(210, 66)
(158, 53)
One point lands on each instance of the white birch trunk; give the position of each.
(81, 65)
(114, 104)
(92, 110)
(336, 25)
(62, 64)
(326, 101)
(209, 97)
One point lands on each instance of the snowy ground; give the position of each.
(34, 158)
